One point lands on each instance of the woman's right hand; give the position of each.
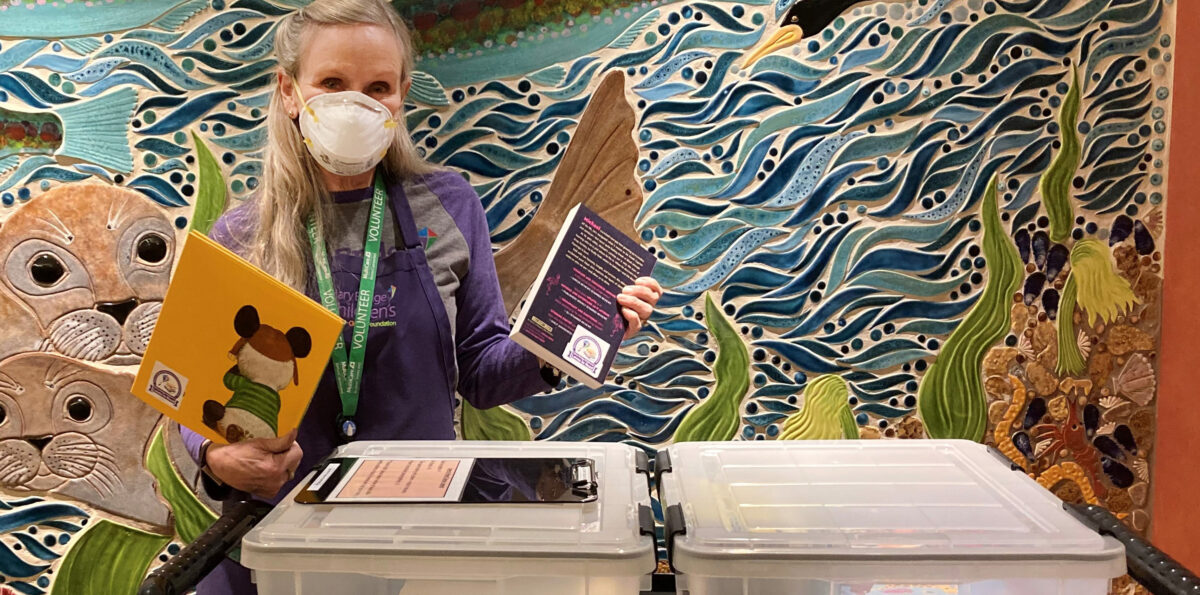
(260, 466)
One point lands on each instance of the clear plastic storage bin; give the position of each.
(920, 517)
(594, 548)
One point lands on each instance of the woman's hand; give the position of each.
(260, 466)
(637, 303)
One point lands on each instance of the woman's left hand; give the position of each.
(637, 303)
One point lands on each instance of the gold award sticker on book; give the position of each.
(235, 354)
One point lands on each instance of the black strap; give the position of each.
(183, 572)
(1148, 565)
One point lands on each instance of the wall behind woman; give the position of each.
(949, 212)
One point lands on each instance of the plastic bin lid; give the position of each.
(374, 537)
(838, 509)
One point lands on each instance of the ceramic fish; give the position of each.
(461, 42)
(95, 131)
(56, 20)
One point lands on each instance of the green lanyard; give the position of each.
(349, 369)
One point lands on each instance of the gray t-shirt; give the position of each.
(348, 225)
(344, 236)
(445, 246)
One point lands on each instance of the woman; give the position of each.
(337, 149)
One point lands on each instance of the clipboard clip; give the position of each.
(583, 479)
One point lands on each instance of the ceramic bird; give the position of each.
(800, 20)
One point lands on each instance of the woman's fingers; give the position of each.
(637, 303)
(641, 292)
(259, 466)
(633, 322)
(280, 444)
(639, 307)
(652, 284)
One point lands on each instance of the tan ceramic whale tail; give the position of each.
(598, 170)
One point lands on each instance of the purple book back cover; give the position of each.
(574, 313)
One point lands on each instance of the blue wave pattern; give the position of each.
(827, 194)
(209, 76)
(35, 534)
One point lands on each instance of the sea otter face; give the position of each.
(75, 430)
(91, 263)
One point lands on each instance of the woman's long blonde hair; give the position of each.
(292, 186)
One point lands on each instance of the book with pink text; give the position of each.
(571, 318)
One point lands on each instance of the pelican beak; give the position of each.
(786, 36)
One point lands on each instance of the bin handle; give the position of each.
(1148, 565)
(183, 571)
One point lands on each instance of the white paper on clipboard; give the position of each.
(391, 479)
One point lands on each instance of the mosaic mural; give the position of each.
(879, 219)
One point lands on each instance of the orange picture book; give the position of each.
(235, 354)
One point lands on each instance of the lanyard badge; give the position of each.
(348, 367)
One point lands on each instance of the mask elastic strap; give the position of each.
(389, 124)
(303, 101)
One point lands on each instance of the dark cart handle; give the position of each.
(183, 571)
(1147, 564)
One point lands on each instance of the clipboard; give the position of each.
(400, 480)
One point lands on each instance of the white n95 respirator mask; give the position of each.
(347, 132)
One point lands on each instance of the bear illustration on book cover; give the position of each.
(266, 364)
